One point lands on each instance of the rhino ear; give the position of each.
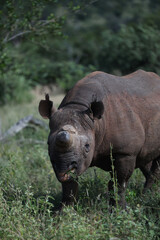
(97, 109)
(46, 107)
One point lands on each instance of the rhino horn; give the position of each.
(64, 139)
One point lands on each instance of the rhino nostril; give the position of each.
(74, 163)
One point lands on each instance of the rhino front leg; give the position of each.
(124, 167)
(69, 192)
(117, 197)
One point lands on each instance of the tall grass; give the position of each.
(30, 194)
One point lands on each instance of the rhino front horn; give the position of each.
(63, 139)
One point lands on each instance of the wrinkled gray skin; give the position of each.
(99, 111)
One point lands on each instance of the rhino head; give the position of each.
(71, 141)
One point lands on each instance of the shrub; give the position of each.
(131, 48)
(68, 73)
(14, 87)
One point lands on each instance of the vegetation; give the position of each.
(59, 42)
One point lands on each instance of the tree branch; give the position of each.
(15, 36)
(45, 22)
(40, 24)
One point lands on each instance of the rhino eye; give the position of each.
(87, 147)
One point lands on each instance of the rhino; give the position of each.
(100, 111)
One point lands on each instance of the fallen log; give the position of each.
(28, 121)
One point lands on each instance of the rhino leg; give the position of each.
(124, 167)
(146, 172)
(151, 172)
(121, 193)
(69, 192)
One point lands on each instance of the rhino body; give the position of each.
(101, 111)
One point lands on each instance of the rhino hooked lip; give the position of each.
(67, 175)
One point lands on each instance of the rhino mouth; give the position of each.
(67, 175)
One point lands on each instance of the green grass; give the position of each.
(30, 194)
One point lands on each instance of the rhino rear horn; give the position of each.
(97, 109)
(46, 107)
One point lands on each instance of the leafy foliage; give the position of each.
(62, 41)
(26, 31)
(12, 86)
(22, 19)
(133, 47)
(32, 17)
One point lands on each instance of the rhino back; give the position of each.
(98, 85)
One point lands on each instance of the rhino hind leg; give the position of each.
(152, 173)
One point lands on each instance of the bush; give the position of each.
(133, 47)
(42, 69)
(68, 73)
(14, 87)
